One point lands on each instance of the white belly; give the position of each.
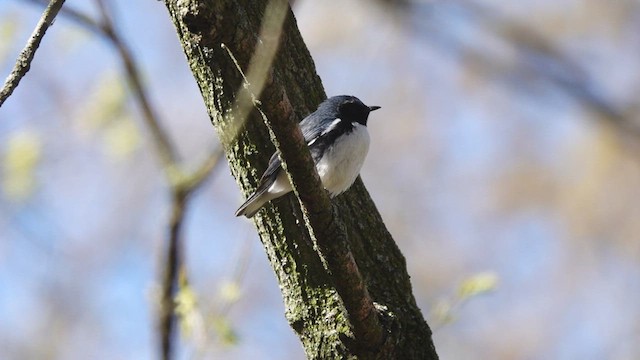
(340, 166)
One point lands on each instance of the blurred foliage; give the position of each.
(226, 333)
(187, 310)
(106, 112)
(230, 291)
(9, 25)
(477, 284)
(444, 311)
(22, 153)
(195, 329)
(121, 138)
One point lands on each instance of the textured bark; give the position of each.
(293, 89)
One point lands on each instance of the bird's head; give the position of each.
(349, 108)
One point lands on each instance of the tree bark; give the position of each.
(313, 306)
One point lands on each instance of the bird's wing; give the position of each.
(312, 129)
(274, 165)
(310, 134)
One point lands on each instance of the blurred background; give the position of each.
(505, 162)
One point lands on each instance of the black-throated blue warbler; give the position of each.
(338, 140)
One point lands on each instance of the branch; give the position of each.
(324, 225)
(182, 184)
(23, 63)
(320, 216)
(539, 57)
(106, 29)
(163, 144)
(194, 180)
(180, 191)
(170, 276)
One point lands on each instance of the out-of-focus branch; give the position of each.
(182, 183)
(557, 68)
(256, 76)
(173, 262)
(23, 64)
(192, 181)
(163, 144)
(105, 29)
(536, 57)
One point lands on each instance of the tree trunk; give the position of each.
(314, 309)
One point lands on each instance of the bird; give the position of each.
(338, 139)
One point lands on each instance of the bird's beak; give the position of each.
(373, 108)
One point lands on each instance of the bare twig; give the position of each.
(170, 276)
(173, 262)
(182, 184)
(538, 57)
(23, 64)
(163, 144)
(105, 28)
(193, 181)
(256, 76)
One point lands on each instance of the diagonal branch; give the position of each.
(163, 144)
(23, 64)
(325, 226)
(538, 56)
(320, 216)
(325, 308)
(322, 222)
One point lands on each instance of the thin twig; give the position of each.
(173, 262)
(163, 144)
(259, 65)
(202, 172)
(106, 29)
(181, 184)
(170, 276)
(23, 63)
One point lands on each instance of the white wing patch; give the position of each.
(331, 126)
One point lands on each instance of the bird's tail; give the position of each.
(254, 203)
(270, 188)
